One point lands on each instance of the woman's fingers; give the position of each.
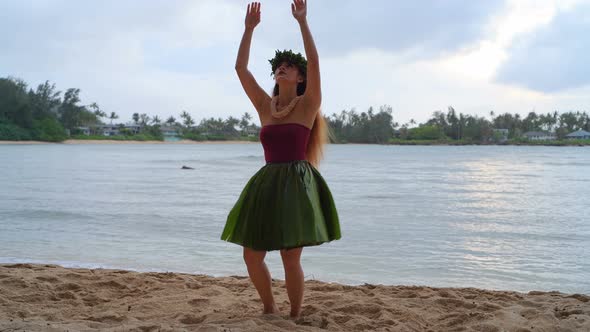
(253, 8)
(298, 4)
(253, 14)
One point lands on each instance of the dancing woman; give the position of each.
(286, 205)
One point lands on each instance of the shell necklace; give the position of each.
(283, 112)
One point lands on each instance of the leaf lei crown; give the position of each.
(291, 58)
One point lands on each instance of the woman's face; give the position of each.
(286, 72)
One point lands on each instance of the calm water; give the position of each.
(515, 218)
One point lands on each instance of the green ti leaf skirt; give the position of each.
(283, 205)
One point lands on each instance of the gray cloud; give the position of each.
(554, 57)
(41, 34)
(425, 27)
(126, 55)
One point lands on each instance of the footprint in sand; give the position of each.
(199, 302)
(191, 319)
(451, 302)
(52, 280)
(107, 318)
(68, 287)
(67, 296)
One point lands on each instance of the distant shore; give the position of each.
(451, 143)
(407, 143)
(89, 141)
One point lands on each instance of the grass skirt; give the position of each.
(283, 205)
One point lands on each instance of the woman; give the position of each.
(286, 205)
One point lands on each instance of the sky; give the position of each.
(162, 57)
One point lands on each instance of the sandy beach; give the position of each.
(89, 141)
(39, 297)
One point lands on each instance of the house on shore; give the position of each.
(252, 131)
(500, 135)
(578, 134)
(115, 129)
(539, 136)
(83, 130)
(170, 133)
(109, 129)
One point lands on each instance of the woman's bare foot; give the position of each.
(273, 310)
(295, 315)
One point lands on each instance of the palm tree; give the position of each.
(188, 120)
(144, 119)
(156, 120)
(184, 114)
(97, 111)
(229, 127)
(171, 120)
(245, 122)
(113, 116)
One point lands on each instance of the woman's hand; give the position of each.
(299, 10)
(252, 15)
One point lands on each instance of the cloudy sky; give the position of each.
(163, 56)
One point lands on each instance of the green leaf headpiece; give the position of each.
(291, 58)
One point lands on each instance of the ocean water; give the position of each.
(496, 217)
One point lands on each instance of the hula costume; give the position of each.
(286, 203)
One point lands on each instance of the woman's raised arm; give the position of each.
(256, 94)
(313, 91)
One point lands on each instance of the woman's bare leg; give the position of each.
(260, 277)
(294, 278)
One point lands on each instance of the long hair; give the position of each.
(320, 132)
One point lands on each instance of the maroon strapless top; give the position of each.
(284, 142)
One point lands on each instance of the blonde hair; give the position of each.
(320, 135)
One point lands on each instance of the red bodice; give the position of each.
(284, 142)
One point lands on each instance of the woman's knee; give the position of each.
(291, 257)
(253, 257)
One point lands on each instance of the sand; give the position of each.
(40, 297)
(90, 141)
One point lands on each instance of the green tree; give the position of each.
(156, 120)
(15, 106)
(49, 130)
(229, 126)
(187, 119)
(113, 116)
(245, 122)
(426, 132)
(69, 110)
(45, 101)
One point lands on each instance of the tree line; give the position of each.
(47, 114)
(349, 126)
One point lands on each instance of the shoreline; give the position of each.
(185, 141)
(48, 297)
(90, 141)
